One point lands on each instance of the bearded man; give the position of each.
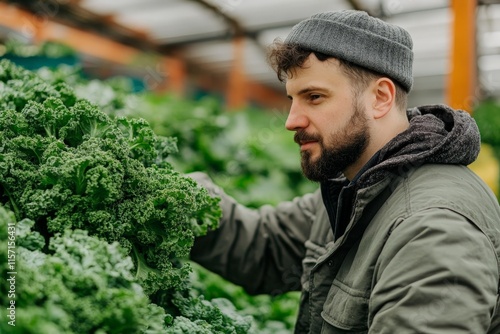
(401, 237)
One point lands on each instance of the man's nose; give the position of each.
(296, 119)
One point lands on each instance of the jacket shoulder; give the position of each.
(449, 187)
(454, 187)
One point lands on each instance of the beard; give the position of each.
(338, 151)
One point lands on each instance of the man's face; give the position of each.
(328, 119)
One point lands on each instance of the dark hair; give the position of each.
(285, 57)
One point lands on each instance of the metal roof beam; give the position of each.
(71, 14)
(357, 6)
(251, 33)
(235, 26)
(236, 30)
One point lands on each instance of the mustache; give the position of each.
(303, 136)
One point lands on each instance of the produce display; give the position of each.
(100, 196)
(98, 214)
(92, 178)
(77, 285)
(87, 162)
(49, 49)
(249, 153)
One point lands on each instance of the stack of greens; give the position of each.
(103, 220)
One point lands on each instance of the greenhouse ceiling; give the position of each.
(201, 31)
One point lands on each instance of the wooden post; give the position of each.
(462, 79)
(236, 97)
(176, 75)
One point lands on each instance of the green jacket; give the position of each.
(416, 246)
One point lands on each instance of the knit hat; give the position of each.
(356, 37)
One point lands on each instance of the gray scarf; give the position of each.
(437, 134)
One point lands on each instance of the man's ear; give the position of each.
(384, 93)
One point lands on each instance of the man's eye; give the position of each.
(314, 96)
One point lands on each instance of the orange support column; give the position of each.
(177, 76)
(236, 97)
(462, 78)
(169, 75)
(39, 30)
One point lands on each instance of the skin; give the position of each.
(322, 113)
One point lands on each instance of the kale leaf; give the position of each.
(65, 164)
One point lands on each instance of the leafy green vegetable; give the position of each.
(66, 164)
(50, 49)
(217, 316)
(248, 152)
(89, 190)
(84, 284)
(487, 116)
(271, 315)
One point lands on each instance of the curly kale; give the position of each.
(87, 190)
(85, 285)
(67, 165)
(198, 315)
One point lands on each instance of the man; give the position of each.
(401, 237)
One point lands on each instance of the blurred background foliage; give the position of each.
(487, 116)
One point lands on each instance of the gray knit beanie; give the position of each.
(360, 39)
